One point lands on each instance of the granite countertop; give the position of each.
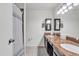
(56, 41)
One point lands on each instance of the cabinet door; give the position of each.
(49, 49)
(17, 35)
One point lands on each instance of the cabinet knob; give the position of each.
(11, 41)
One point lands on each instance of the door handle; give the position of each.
(11, 41)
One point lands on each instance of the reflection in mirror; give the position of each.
(48, 24)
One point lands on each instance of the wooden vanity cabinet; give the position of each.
(45, 42)
(49, 49)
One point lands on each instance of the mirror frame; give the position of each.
(46, 25)
(55, 24)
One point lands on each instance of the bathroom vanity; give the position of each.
(54, 46)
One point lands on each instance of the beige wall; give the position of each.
(34, 29)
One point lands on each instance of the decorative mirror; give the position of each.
(57, 24)
(48, 24)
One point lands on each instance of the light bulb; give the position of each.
(62, 12)
(59, 11)
(70, 7)
(65, 10)
(64, 7)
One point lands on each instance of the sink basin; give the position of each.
(71, 48)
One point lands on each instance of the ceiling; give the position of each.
(42, 6)
(20, 5)
(39, 6)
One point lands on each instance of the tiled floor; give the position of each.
(31, 51)
(36, 51)
(42, 51)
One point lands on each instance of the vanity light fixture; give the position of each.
(65, 7)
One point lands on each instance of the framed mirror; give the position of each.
(57, 24)
(48, 24)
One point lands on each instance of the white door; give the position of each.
(6, 28)
(17, 35)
